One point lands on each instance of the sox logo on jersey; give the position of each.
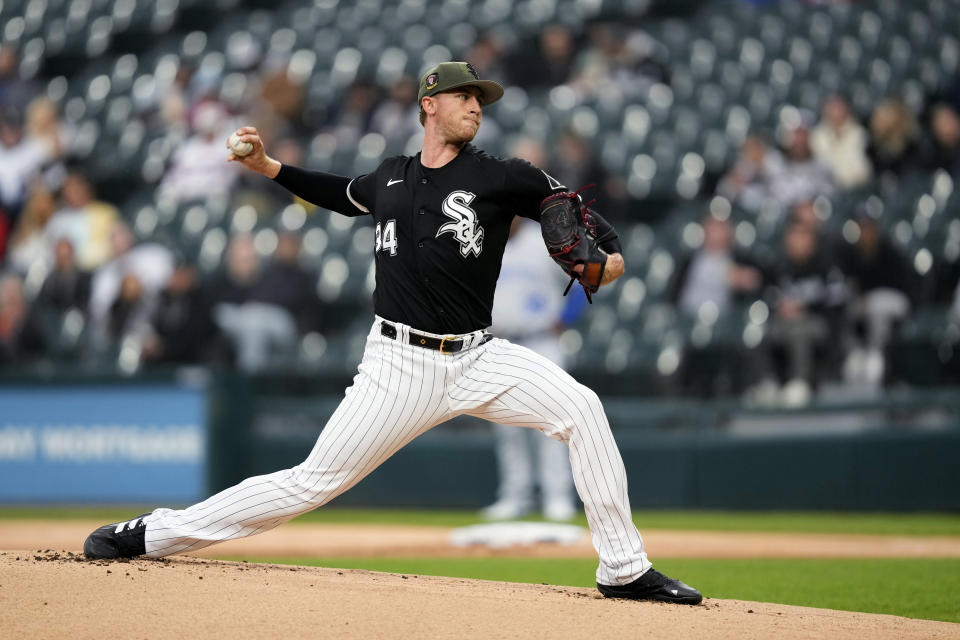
(464, 227)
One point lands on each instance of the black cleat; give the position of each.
(118, 540)
(653, 585)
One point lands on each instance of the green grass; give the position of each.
(943, 524)
(916, 588)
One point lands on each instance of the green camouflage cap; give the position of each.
(452, 75)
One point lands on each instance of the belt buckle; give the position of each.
(443, 341)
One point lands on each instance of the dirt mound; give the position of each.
(49, 593)
(322, 540)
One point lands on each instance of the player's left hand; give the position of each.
(570, 235)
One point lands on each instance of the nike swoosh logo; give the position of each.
(390, 183)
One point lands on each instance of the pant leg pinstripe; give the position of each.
(513, 385)
(396, 396)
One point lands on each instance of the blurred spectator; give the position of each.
(718, 276)
(396, 118)
(199, 168)
(284, 283)
(715, 273)
(617, 58)
(944, 150)
(805, 213)
(748, 184)
(181, 326)
(260, 330)
(530, 149)
(806, 295)
(352, 120)
(21, 159)
(29, 243)
(43, 125)
(571, 161)
(84, 220)
(841, 143)
(130, 311)
(547, 63)
(879, 277)
(132, 279)
(284, 96)
(66, 286)
(174, 104)
(240, 274)
(486, 55)
(15, 92)
(803, 177)
(894, 137)
(21, 337)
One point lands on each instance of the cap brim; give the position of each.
(490, 91)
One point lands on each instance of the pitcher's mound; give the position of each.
(55, 594)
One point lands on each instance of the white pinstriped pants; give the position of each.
(400, 392)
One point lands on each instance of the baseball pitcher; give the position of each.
(441, 221)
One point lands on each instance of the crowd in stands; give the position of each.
(834, 301)
(74, 274)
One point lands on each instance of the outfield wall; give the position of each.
(898, 452)
(173, 440)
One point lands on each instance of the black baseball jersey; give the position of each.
(440, 233)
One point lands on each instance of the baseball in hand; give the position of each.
(238, 146)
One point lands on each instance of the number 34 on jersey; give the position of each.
(385, 238)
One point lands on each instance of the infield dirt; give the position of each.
(58, 594)
(381, 540)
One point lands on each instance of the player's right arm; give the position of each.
(327, 190)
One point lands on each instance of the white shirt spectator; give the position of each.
(18, 164)
(151, 263)
(802, 182)
(844, 151)
(199, 168)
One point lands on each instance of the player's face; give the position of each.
(459, 113)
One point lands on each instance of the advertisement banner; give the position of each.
(99, 444)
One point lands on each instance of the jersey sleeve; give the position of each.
(325, 190)
(527, 186)
(362, 192)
